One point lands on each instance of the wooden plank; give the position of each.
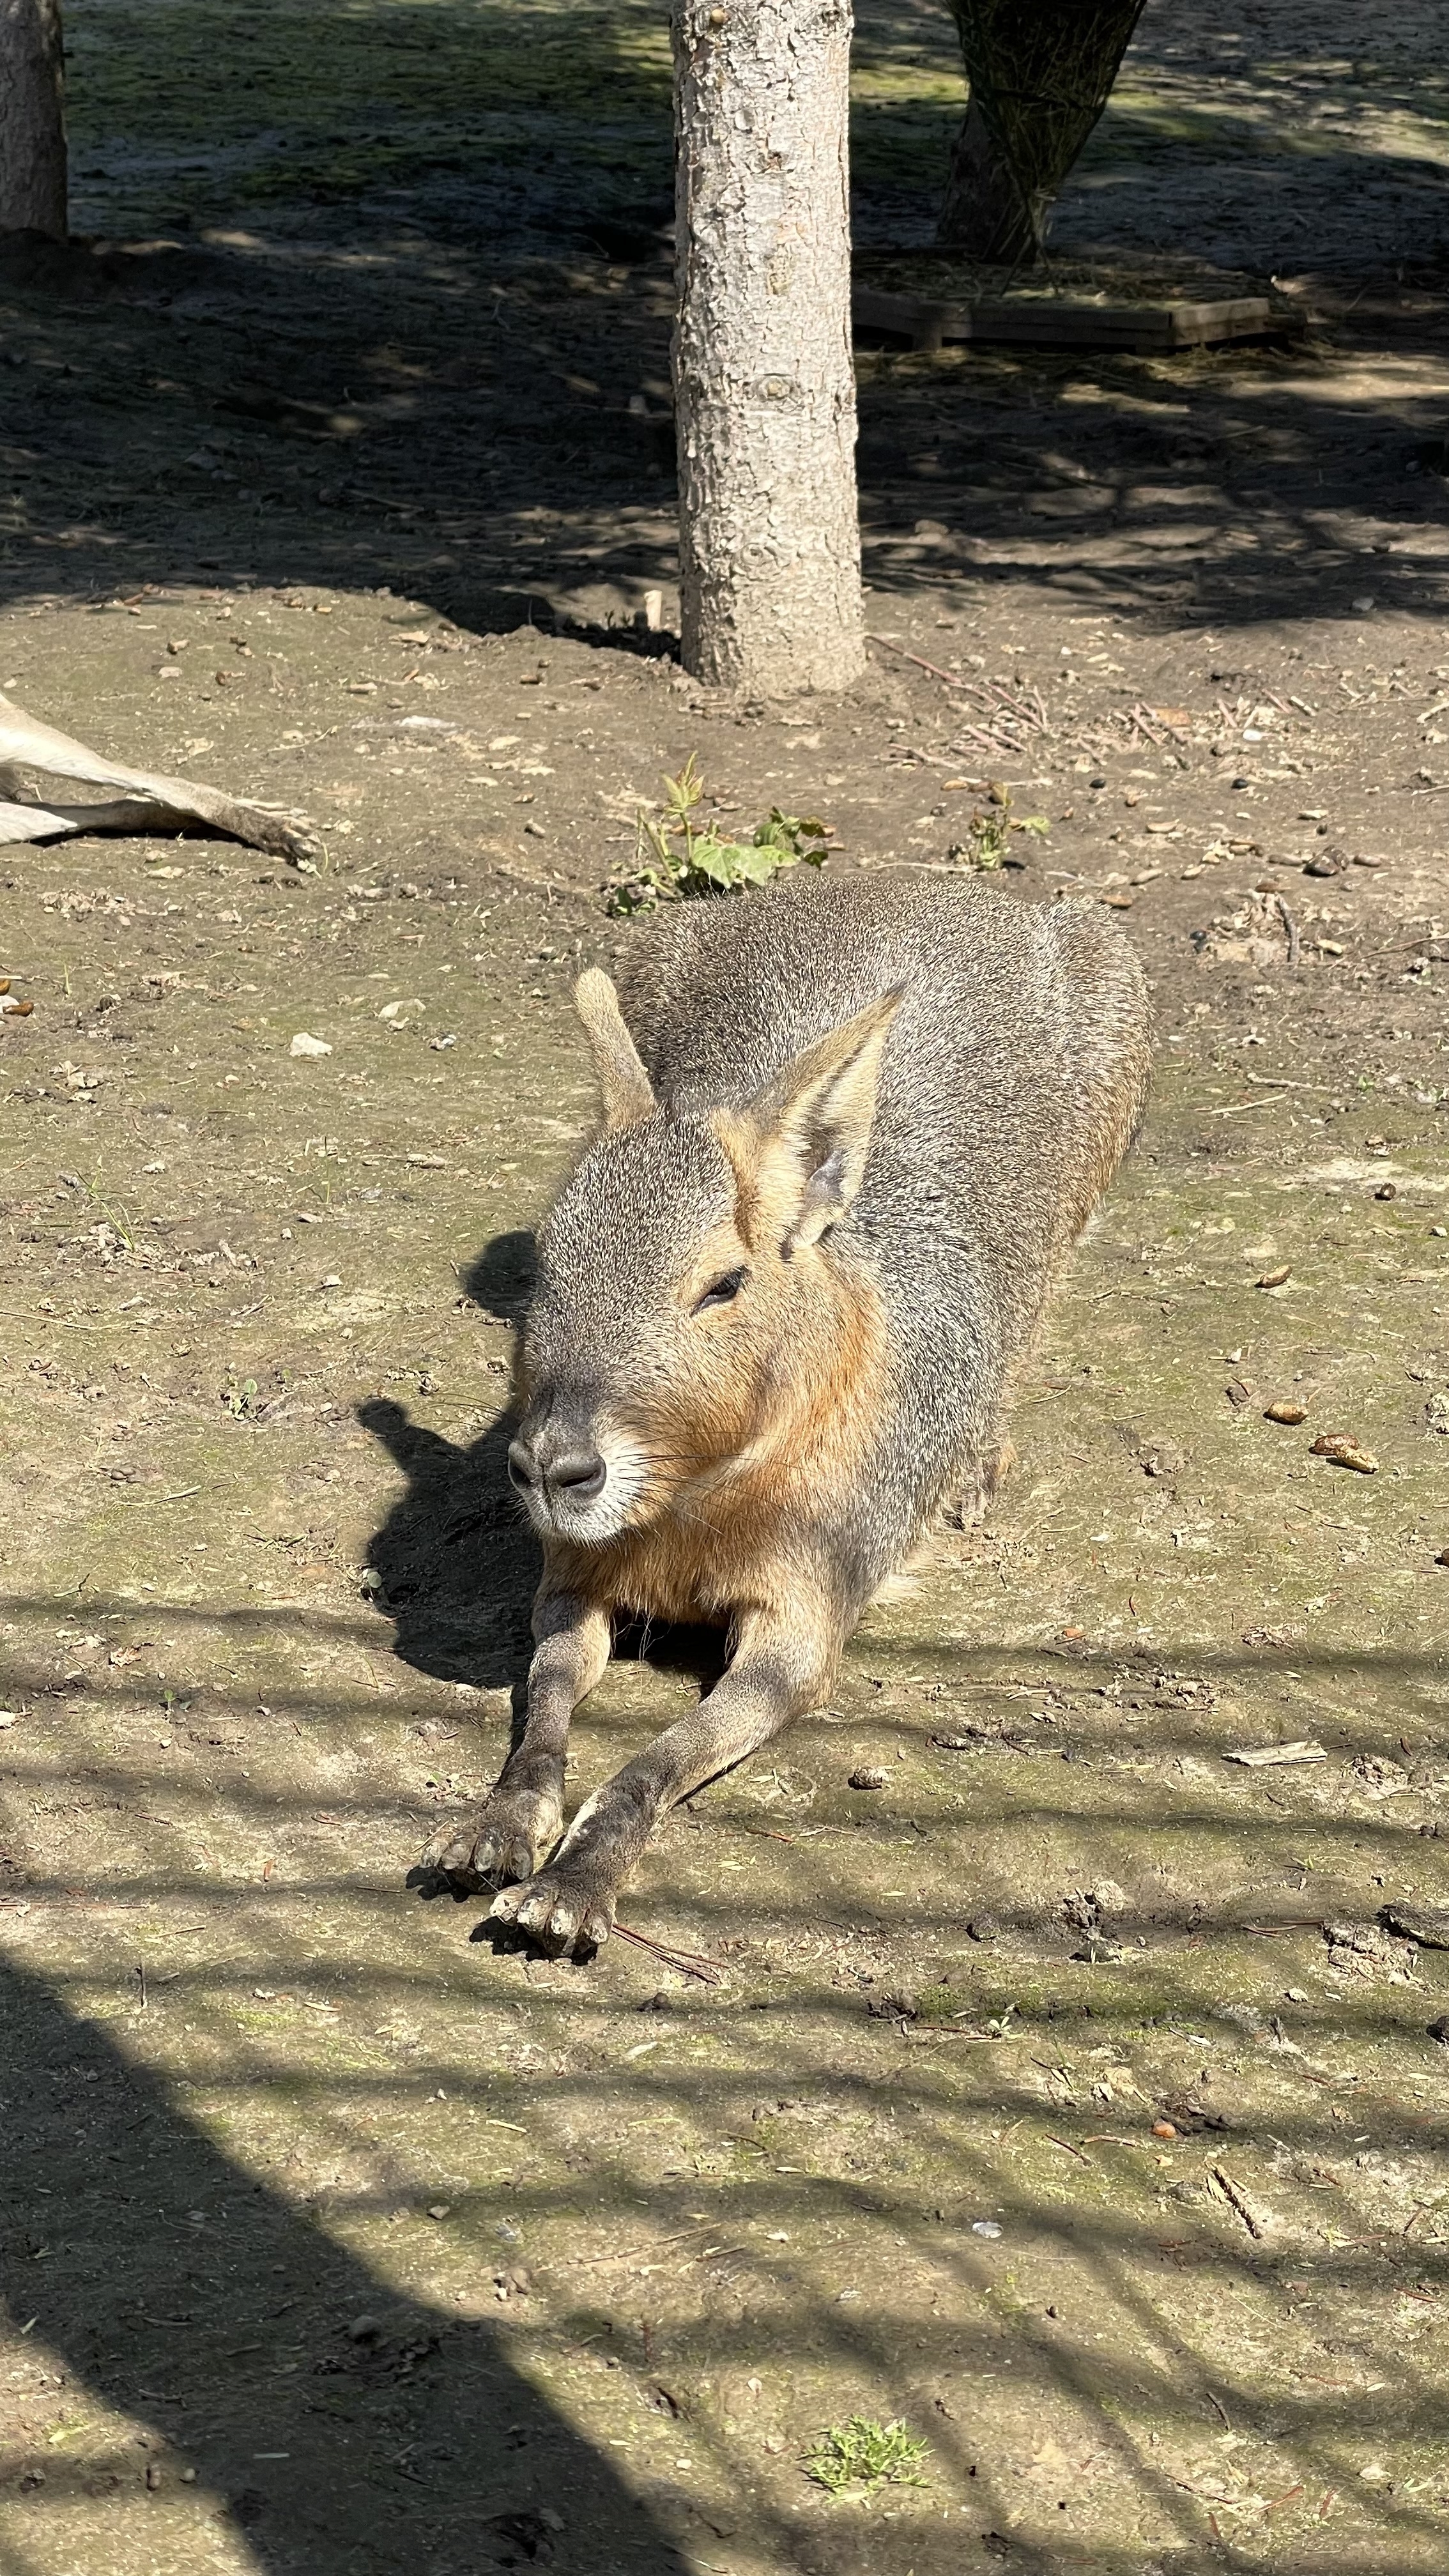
(929, 324)
(912, 317)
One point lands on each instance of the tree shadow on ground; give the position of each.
(425, 369)
(166, 2282)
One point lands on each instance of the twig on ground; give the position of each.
(952, 679)
(1237, 2199)
(688, 1962)
(1291, 926)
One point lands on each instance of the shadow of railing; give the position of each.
(159, 2274)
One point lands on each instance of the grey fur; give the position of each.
(1021, 1028)
(1013, 1075)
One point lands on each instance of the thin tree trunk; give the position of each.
(1040, 77)
(763, 374)
(32, 119)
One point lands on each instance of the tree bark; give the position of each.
(763, 374)
(983, 210)
(32, 119)
(1040, 77)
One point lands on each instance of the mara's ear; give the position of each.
(813, 1125)
(627, 1092)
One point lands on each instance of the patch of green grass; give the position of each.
(944, 2002)
(861, 2452)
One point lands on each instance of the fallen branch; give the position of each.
(151, 802)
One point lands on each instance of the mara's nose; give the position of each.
(575, 1470)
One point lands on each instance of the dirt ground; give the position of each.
(1070, 2097)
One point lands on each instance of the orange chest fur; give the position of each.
(743, 1539)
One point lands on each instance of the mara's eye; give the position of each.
(723, 1290)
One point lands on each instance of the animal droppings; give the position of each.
(1342, 1452)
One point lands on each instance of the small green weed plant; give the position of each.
(674, 861)
(988, 834)
(862, 2453)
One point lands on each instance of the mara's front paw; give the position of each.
(514, 1830)
(567, 1907)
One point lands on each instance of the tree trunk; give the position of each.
(983, 210)
(763, 375)
(32, 119)
(1040, 77)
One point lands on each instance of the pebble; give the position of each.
(1286, 1409)
(867, 1779)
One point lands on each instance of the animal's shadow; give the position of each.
(455, 1563)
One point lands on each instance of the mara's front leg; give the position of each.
(781, 1666)
(520, 1819)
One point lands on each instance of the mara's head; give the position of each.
(686, 1297)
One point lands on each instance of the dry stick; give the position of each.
(1291, 926)
(690, 1963)
(951, 678)
(592, 2262)
(1285, 1082)
(1238, 2200)
(947, 2031)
